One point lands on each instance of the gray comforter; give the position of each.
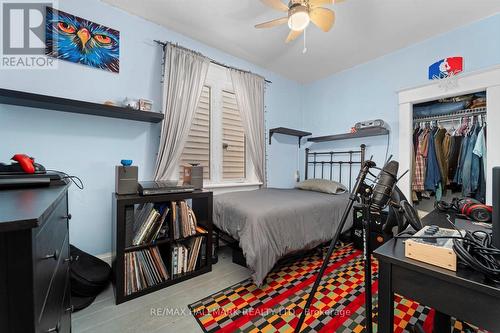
(271, 223)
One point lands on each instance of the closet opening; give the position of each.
(449, 150)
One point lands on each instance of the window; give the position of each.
(197, 147)
(233, 139)
(217, 138)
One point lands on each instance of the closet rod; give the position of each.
(215, 62)
(458, 114)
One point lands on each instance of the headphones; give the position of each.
(401, 214)
(469, 207)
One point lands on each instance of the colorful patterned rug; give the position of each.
(276, 306)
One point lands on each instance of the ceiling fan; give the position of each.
(300, 14)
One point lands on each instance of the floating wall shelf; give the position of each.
(287, 131)
(21, 98)
(375, 131)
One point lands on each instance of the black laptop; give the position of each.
(162, 187)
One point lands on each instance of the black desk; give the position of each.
(463, 294)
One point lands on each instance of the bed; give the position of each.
(270, 223)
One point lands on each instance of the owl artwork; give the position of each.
(75, 39)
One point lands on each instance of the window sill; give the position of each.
(229, 185)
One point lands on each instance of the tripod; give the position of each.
(363, 193)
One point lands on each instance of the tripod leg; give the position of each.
(368, 269)
(326, 260)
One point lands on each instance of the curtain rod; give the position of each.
(215, 62)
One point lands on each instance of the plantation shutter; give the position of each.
(233, 139)
(197, 147)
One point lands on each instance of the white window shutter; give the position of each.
(233, 139)
(197, 147)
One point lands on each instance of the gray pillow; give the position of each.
(322, 185)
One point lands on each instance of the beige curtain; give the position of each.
(184, 76)
(249, 91)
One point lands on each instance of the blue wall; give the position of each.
(369, 91)
(89, 146)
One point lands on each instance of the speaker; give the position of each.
(197, 177)
(126, 179)
(496, 207)
(193, 175)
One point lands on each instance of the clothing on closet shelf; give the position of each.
(449, 158)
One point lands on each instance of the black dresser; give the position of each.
(34, 261)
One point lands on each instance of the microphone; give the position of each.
(382, 191)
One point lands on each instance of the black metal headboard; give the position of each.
(317, 162)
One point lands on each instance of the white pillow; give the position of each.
(322, 185)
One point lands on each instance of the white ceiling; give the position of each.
(364, 29)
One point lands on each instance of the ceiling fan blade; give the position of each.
(276, 4)
(293, 35)
(323, 18)
(316, 3)
(272, 23)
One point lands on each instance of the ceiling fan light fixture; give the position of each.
(298, 18)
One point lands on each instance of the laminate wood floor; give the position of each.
(162, 311)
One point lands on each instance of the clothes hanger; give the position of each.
(453, 125)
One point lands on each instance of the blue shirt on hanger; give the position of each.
(470, 167)
(433, 174)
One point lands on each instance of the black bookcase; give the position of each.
(124, 205)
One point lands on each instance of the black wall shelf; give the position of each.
(21, 98)
(376, 131)
(288, 131)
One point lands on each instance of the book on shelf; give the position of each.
(175, 252)
(149, 222)
(143, 269)
(185, 257)
(183, 220)
(175, 220)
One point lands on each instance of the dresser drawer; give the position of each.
(48, 245)
(52, 317)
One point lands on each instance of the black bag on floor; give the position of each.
(89, 275)
(80, 303)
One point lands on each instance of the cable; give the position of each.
(387, 148)
(74, 179)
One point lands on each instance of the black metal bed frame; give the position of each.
(329, 159)
(355, 157)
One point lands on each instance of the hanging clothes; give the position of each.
(461, 160)
(448, 158)
(468, 170)
(433, 175)
(476, 165)
(480, 147)
(440, 155)
(454, 156)
(447, 146)
(480, 152)
(420, 162)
